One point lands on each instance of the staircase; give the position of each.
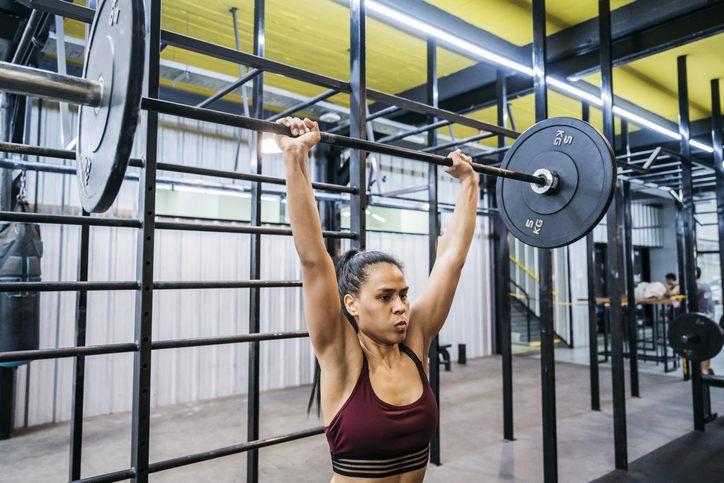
(520, 314)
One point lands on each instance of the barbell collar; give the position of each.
(686, 338)
(209, 115)
(28, 81)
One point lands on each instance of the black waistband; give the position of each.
(379, 468)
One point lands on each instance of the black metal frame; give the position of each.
(147, 226)
(613, 250)
(545, 269)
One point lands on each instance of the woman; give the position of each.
(379, 411)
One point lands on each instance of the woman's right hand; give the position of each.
(305, 134)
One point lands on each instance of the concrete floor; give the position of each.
(472, 447)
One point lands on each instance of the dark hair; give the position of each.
(671, 276)
(698, 272)
(352, 269)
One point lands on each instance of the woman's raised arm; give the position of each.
(327, 326)
(431, 309)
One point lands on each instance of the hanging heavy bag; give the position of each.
(20, 251)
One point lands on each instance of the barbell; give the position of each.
(696, 337)
(554, 184)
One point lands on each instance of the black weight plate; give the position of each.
(116, 57)
(695, 337)
(587, 179)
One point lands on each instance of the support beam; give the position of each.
(502, 290)
(613, 277)
(257, 105)
(358, 118)
(434, 230)
(687, 201)
(545, 270)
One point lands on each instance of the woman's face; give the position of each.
(382, 309)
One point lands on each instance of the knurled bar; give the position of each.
(92, 350)
(231, 450)
(219, 228)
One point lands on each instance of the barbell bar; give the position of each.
(554, 185)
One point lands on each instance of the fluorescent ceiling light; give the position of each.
(378, 218)
(436, 32)
(488, 55)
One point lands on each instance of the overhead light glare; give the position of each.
(268, 146)
(486, 54)
(446, 37)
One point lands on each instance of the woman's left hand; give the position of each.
(461, 168)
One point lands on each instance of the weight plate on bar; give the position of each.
(116, 58)
(695, 337)
(586, 168)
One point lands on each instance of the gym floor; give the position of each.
(471, 421)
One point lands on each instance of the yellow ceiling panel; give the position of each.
(652, 82)
(512, 19)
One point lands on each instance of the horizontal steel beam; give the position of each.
(109, 477)
(226, 284)
(230, 450)
(221, 340)
(92, 350)
(177, 168)
(256, 230)
(68, 219)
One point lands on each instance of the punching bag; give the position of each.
(20, 251)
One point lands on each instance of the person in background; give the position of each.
(706, 307)
(672, 286)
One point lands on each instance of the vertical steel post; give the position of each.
(502, 269)
(630, 254)
(592, 305)
(76, 423)
(545, 268)
(7, 374)
(358, 118)
(613, 279)
(141, 418)
(252, 428)
(7, 108)
(687, 200)
(434, 230)
(716, 139)
(680, 255)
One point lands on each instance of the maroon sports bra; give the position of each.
(369, 438)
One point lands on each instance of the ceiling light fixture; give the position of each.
(498, 59)
(330, 117)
